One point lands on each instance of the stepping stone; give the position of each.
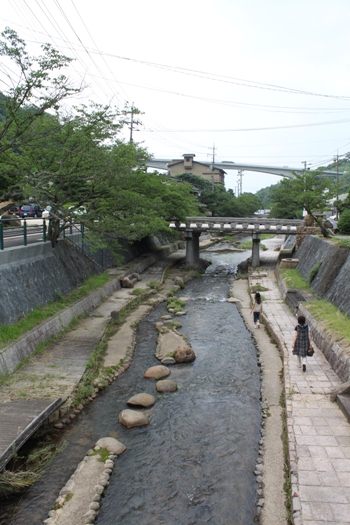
(132, 419)
(112, 445)
(142, 400)
(165, 386)
(157, 372)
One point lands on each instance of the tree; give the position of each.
(77, 159)
(36, 87)
(221, 202)
(309, 191)
(344, 222)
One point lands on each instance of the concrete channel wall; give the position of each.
(13, 354)
(32, 276)
(332, 279)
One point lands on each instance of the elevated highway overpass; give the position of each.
(285, 171)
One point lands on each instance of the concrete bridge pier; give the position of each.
(255, 250)
(192, 247)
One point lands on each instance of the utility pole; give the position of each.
(336, 159)
(132, 122)
(240, 187)
(213, 169)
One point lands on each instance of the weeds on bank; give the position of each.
(294, 279)
(257, 288)
(249, 244)
(38, 315)
(342, 243)
(287, 478)
(331, 319)
(94, 373)
(175, 304)
(27, 471)
(155, 285)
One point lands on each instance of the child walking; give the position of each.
(301, 341)
(257, 309)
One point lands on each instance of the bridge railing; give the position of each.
(246, 224)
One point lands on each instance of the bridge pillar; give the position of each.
(192, 247)
(255, 250)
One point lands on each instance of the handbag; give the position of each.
(310, 351)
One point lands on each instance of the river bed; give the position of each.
(195, 462)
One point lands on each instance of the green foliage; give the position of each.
(249, 244)
(69, 160)
(155, 285)
(137, 291)
(218, 201)
(175, 304)
(31, 467)
(40, 86)
(15, 331)
(313, 272)
(294, 279)
(333, 320)
(309, 191)
(344, 222)
(342, 243)
(264, 196)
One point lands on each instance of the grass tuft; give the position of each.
(14, 331)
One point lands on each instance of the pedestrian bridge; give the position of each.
(194, 226)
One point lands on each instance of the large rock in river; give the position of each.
(166, 385)
(184, 354)
(168, 342)
(133, 418)
(142, 400)
(112, 445)
(157, 372)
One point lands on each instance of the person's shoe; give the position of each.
(304, 368)
(255, 326)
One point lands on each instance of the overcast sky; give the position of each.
(255, 81)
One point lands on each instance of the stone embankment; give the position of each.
(13, 354)
(331, 266)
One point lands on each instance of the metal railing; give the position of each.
(20, 231)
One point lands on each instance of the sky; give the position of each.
(259, 81)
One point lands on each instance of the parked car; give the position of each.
(30, 210)
(13, 211)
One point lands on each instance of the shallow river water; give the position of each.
(194, 464)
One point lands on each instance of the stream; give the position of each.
(194, 464)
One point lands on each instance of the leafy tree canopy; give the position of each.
(222, 202)
(77, 159)
(308, 191)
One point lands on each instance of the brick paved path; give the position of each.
(318, 432)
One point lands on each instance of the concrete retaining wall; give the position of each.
(13, 354)
(32, 276)
(332, 280)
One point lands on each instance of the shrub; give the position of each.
(313, 272)
(344, 222)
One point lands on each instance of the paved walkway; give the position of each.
(318, 432)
